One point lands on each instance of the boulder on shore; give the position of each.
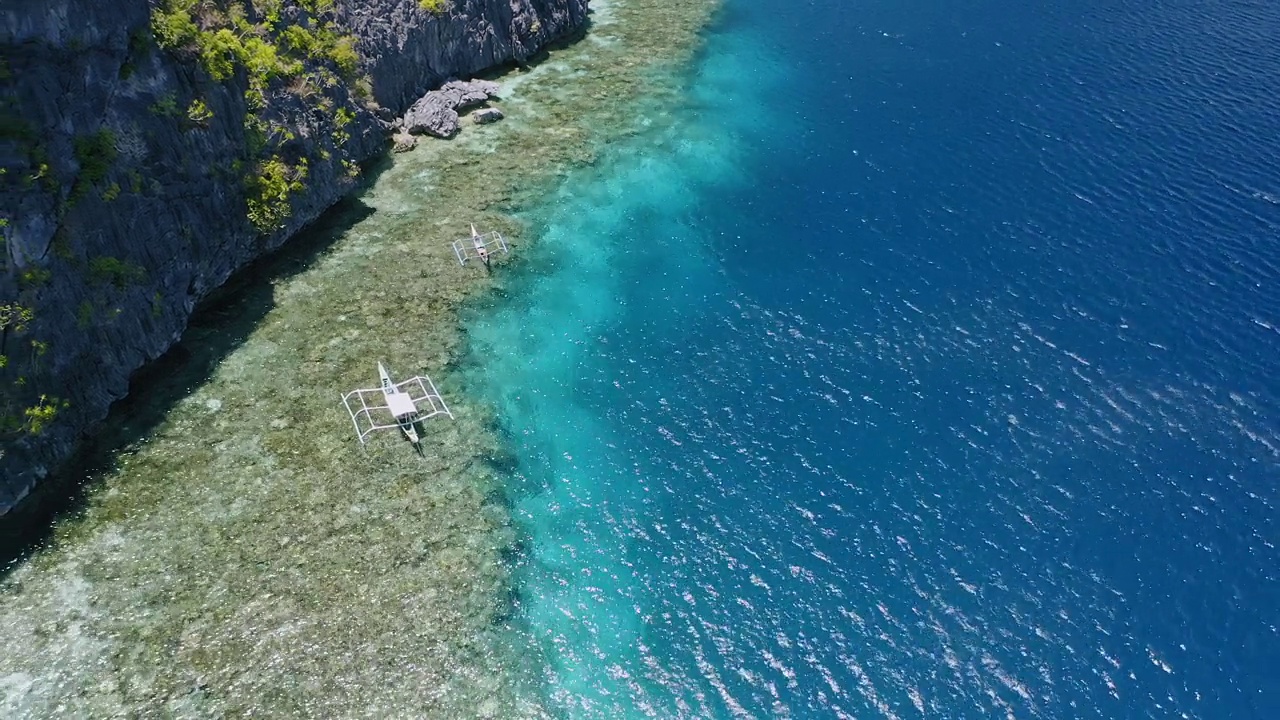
(404, 142)
(486, 116)
(436, 113)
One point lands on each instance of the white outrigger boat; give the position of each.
(407, 404)
(478, 246)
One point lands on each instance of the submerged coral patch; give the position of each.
(242, 555)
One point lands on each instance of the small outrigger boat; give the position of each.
(479, 246)
(405, 405)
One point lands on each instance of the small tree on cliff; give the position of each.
(34, 413)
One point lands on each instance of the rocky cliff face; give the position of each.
(149, 150)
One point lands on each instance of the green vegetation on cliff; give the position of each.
(305, 56)
(269, 190)
(199, 113)
(15, 320)
(108, 270)
(95, 153)
(251, 34)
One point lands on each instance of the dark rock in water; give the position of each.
(470, 94)
(404, 142)
(436, 113)
(432, 115)
(486, 116)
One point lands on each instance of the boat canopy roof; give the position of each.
(373, 409)
(400, 405)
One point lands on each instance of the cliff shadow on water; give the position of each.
(220, 324)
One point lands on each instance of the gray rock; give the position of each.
(403, 142)
(436, 113)
(486, 116)
(408, 51)
(432, 115)
(466, 94)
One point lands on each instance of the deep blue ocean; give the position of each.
(924, 363)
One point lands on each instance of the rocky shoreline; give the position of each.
(235, 552)
(148, 156)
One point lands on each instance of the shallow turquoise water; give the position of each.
(921, 365)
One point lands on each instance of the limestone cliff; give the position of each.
(149, 150)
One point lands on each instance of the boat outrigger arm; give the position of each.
(400, 405)
(478, 246)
